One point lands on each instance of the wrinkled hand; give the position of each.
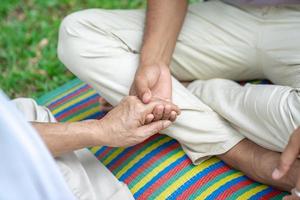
(288, 157)
(154, 82)
(125, 125)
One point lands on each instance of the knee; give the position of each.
(77, 29)
(68, 31)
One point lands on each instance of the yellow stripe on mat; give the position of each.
(217, 185)
(156, 170)
(95, 149)
(83, 115)
(73, 102)
(113, 155)
(141, 155)
(252, 192)
(187, 176)
(64, 93)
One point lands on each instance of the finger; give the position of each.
(297, 189)
(167, 112)
(290, 197)
(142, 90)
(149, 118)
(173, 116)
(287, 158)
(175, 108)
(154, 127)
(158, 112)
(155, 102)
(168, 102)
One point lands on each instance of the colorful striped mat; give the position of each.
(157, 168)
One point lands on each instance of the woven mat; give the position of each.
(157, 168)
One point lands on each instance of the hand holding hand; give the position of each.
(126, 124)
(151, 83)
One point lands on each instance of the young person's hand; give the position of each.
(154, 82)
(288, 157)
(127, 125)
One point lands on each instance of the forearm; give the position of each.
(66, 137)
(163, 23)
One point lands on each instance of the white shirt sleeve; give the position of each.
(27, 169)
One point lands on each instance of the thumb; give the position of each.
(143, 90)
(153, 128)
(287, 158)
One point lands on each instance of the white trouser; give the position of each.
(86, 177)
(217, 41)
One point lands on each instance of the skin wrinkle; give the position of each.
(122, 126)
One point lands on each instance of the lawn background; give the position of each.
(29, 66)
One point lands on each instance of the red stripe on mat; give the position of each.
(104, 153)
(149, 162)
(234, 188)
(164, 179)
(202, 181)
(270, 195)
(77, 108)
(131, 151)
(66, 98)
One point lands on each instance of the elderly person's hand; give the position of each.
(127, 125)
(287, 159)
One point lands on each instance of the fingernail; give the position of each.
(167, 123)
(276, 174)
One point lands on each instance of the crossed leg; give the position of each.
(101, 47)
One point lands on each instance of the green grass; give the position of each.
(28, 39)
(29, 66)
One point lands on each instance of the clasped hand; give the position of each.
(152, 83)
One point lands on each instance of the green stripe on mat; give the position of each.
(153, 166)
(213, 181)
(49, 97)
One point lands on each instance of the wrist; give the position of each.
(154, 55)
(99, 132)
(149, 62)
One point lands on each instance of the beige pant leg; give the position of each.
(101, 47)
(86, 177)
(266, 114)
(278, 43)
